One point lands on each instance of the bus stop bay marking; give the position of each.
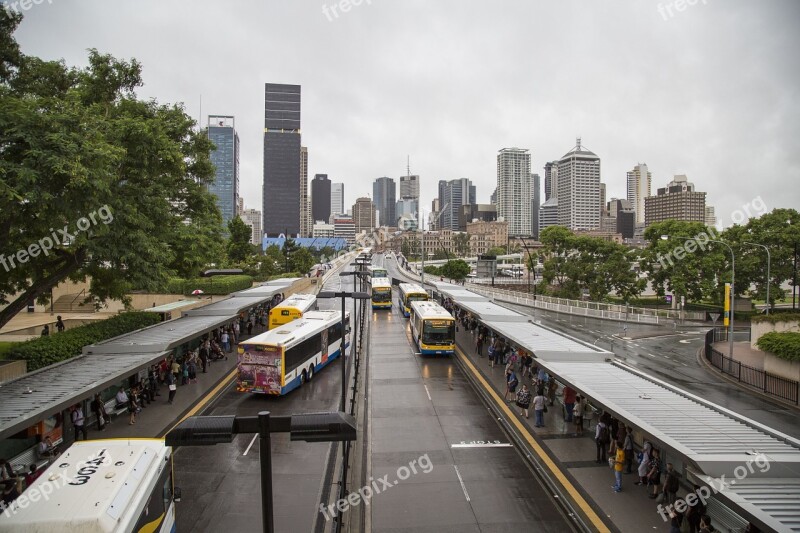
(482, 444)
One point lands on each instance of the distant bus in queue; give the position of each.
(409, 292)
(381, 293)
(292, 308)
(433, 328)
(377, 272)
(100, 486)
(284, 358)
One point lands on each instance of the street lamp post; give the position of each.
(733, 296)
(309, 427)
(768, 265)
(344, 295)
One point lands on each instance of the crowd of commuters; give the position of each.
(526, 384)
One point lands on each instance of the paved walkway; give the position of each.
(742, 352)
(629, 510)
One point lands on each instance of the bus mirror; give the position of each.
(323, 427)
(176, 495)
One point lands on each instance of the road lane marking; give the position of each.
(428, 392)
(576, 496)
(462, 483)
(252, 441)
(486, 445)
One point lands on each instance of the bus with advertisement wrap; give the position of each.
(433, 328)
(284, 358)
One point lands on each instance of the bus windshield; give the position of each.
(438, 331)
(381, 295)
(416, 297)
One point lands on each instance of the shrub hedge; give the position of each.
(774, 318)
(218, 285)
(785, 345)
(59, 347)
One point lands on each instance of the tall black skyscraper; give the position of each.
(281, 159)
(320, 198)
(384, 196)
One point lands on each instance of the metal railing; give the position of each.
(770, 384)
(674, 314)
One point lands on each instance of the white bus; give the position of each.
(100, 486)
(377, 272)
(292, 308)
(409, 292)
(381, 293)
(433, 328)
(284, 358)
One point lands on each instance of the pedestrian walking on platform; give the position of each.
(479, 345)
(539, 405)
(580, 408)
(619, 462)
(173, 387)
(601, 439)
(627, 445)
(569, 402)
(78, 422)
(511, 384)
(524, 400)
(654, 474)
(644, 463)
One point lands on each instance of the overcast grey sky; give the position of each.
(710, 91)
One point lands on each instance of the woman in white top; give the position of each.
(644, 464)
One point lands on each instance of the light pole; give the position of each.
(733, 296)
(310, 427)
(344, 296)
(768, 264)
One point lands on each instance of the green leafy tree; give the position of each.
(239, 247)
(461, 244)
(301, 260)
(687, 270)
(779, 231)
(290, 246)
(557, 269)
(440, 254)
(497, 250)
(78, 143)
(456, 269)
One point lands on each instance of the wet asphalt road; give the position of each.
(669, 355)
(221, 483)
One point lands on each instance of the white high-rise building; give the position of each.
(579, 189)
(252, 217)
(514, 190)
(640, 180)
(337, 199)
(711, 218)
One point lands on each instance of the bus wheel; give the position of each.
(310, 372)
(303, 377)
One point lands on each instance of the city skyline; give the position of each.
(684, 128)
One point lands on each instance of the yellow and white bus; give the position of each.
(381, 293)
(377, 272)
(284, 358)
(292, 308)
(433, 328)
(100, 486)
(409, 292)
